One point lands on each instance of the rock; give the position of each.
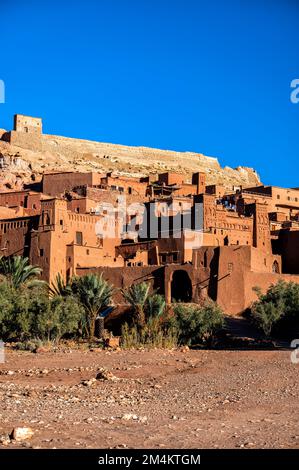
(133, 417)
(112, 342)
(128, 417)
(89, 383)
(105, 374)
(20, 434)
(41, 349)
(4, 439)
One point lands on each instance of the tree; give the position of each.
(137, 296)
(94, 294)
(60, 288)
(18, 271)
(154, 306)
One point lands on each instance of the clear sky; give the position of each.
(198, 75)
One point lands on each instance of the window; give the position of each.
(87, 252)
(61, 222)
(129, 190)
(278, 196)
(163, 258)
(79, 238)
(41, 252)
(275, 267)
(175, 257)
(230, 267)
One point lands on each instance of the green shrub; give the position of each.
(196, 324)
(15, 315)
(29, 313)
(278, 309)
(56, 317)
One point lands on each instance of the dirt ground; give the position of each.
(162, 399)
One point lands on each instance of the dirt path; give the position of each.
(171, 399)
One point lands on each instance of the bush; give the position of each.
(188, 325)
(56, 317)
(278, 309)
(27, 314)
(15, 315)
(197, 324)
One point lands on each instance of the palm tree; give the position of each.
(137, 296)
(60, 288)
(155, 305)
(18, 271)
(94, 294)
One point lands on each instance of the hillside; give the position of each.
(23, 161)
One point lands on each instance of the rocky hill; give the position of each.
(23, 161)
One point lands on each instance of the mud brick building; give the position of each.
(190, 240)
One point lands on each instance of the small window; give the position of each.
(79, 238)
(175, 257)
(230, 267)
(87, 252)
(61, 222)
(41, 252)
(129, 190)
(278, 196)
(163, 258)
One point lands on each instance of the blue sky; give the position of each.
(206, 76)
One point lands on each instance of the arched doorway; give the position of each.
(181, 287)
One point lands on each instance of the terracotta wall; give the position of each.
(56, 184)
